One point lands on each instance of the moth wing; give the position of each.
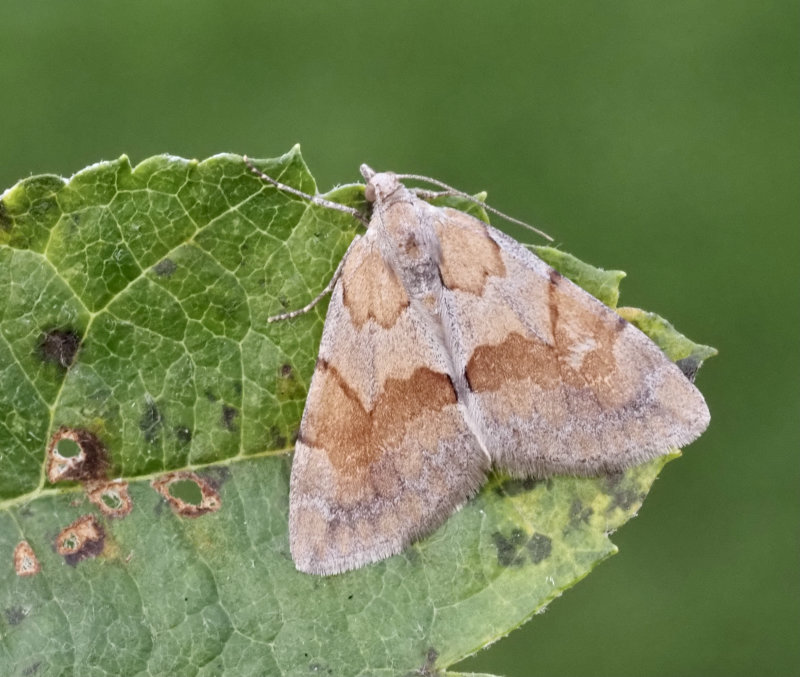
(558, 382)
(384, 454)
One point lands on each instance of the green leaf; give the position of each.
(134, 341)
(603, 284)
(680, 349)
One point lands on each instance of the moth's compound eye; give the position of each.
(369, 192)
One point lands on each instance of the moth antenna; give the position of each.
(449, 190)
(322, 294)
(316, 199)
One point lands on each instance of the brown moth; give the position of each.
(449, 349)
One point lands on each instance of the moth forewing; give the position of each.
(449, 347)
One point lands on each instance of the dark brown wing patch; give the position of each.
(352, 436)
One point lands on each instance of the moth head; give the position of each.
(380, 185)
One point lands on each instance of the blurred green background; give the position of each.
(656, 137)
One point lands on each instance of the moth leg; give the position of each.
(328, 288)
(315, 199)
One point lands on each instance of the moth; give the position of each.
(448, 349)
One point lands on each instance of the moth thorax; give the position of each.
(415, 256)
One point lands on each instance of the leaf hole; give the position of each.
(70, 543)
(112, 500)
(187, 491)
(67, 448)
(59, 346)
(189, 494)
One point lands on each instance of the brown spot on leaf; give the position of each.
(15, 615)
(278, 440)
(428, 668)
(183, 434)
(25, 560)
(579, 514)
(689, 366)
(229, 415)
(514, 486)
(508, 548)
(111, 497)
(76, 454)
(59, 346)
(539, 547)
(32, 669)
(512, 549)
(85, 537)
(287, 385)
(208, 501)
